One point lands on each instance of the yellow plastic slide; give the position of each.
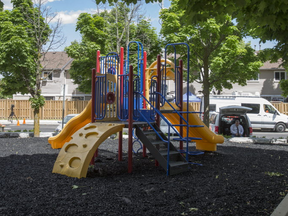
(209, 139)
(75, 156)
(71, 127)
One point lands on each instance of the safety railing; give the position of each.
(122, 96)
(100, 94)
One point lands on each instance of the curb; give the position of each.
(23, 134)
(257, 140)
(282, 209)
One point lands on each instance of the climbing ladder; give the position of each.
(160, 146)
(163, 150)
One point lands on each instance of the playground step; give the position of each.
(173, 155)
(158, 142)
(178, 167)
(176, 162)
(151, 132)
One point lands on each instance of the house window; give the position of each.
(279, 75)
(47, 75)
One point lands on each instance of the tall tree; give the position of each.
(25, 37)
(1, 6)
(218, 55)
(100, 32)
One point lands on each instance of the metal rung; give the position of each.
(167, 111)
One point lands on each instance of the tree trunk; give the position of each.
(206, 92)
(36, 123)
(117, 30)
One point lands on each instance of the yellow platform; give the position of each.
(75, 156)
(209, 139)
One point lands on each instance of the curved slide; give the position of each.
(209, 139)
(71, 127)
(75, 156)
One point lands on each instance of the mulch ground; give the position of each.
(235, 180)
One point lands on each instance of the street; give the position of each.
(51, 128)
(43, 127)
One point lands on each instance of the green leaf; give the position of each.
(75, 187)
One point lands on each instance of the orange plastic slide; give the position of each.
(71, 127)
(209, 139)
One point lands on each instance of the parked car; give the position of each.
(66, 119)
(220, 122)
(263, 114)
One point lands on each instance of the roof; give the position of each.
(270, 65)
(56, 61)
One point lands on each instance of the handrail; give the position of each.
(166, 141)
(158, 111)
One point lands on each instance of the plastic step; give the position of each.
(177, 163)
(147, 133)
(177, 167)
(157, 142)
(164, 152)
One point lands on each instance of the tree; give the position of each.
(1, 6)
(218, 54)
(25, 38)
(99, 31)
(265, 19)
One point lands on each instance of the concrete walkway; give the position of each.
(42, 122)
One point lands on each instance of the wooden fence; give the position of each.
(53, 109)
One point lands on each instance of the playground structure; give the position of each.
(124, 97)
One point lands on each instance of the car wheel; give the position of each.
(280, 127)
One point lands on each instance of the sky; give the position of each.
(69, 10)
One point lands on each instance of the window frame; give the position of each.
(280, 72)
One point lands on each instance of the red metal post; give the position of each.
(98, 61)
(181, 99)
(130, 117)
(120, 146)
(120, 88)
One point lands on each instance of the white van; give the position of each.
(262, 116)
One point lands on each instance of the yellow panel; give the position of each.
(75, 156)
